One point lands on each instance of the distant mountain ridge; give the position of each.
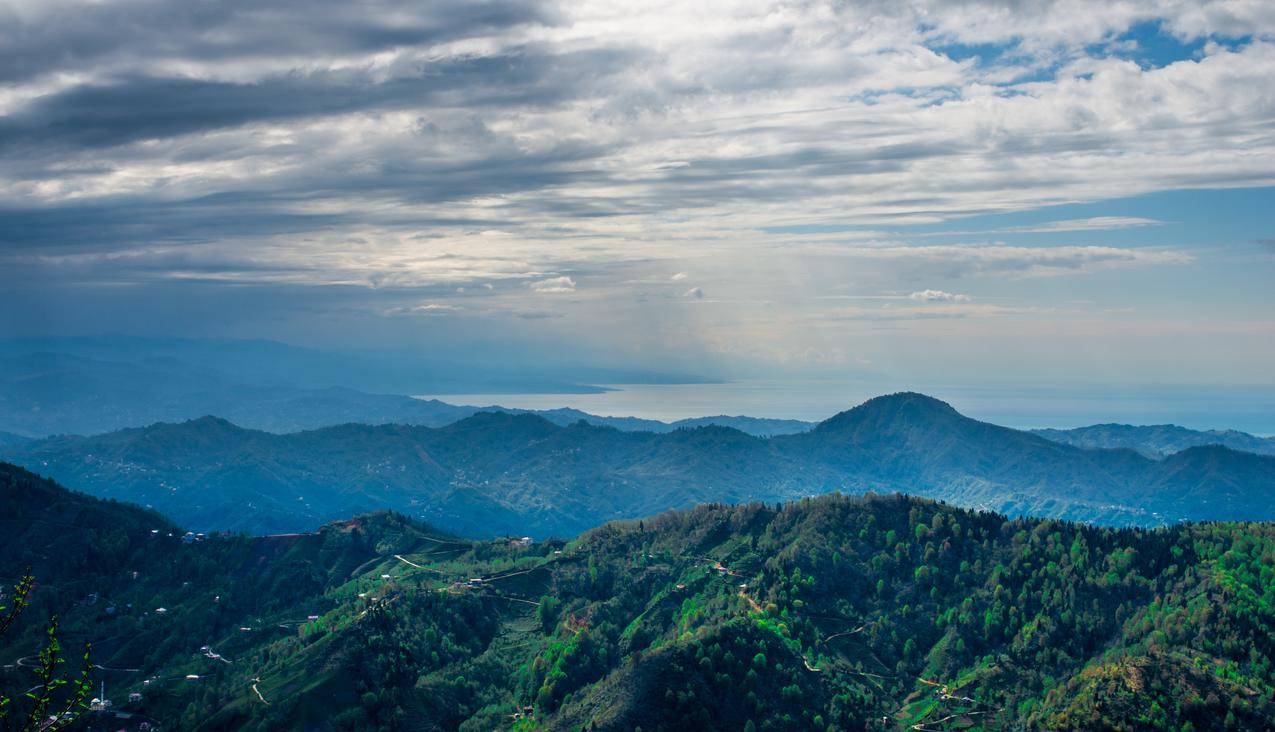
(495, 473)
(1158, 440)
(50, 393)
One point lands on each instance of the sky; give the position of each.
(989, 192)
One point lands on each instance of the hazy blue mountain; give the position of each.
(10, 440)
(1158, 440)
(92, 385)
(757, 426)
(495, 473)
(57, 394)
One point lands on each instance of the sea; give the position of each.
(1249, 409)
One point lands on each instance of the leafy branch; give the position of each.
(40, 699)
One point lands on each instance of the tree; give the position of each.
(41, 701)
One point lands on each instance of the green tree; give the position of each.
(54, 702)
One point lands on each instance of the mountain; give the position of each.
(496, 473)
(49, 393)
(831, 613)
(10, 440)
(1158, 440)
(757, 426)
(54, 393)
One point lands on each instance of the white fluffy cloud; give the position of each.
(938, 296)
(554, 285)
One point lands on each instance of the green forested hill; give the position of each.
(495, 473)
(882, 612)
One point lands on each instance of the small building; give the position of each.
(385, 576)
(189, 538)
(312, 617)
(100, 703)
(192, 677)
(524, 541)
(161, 611)
(475, 581)
(135, 696)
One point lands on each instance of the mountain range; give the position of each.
(835, 613)
(1158, 440)
(497, 473)
(43, 394)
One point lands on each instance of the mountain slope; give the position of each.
(828, 613)
(10, 440)
(496, 473)
(1158, 440)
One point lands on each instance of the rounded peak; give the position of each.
(499, 418)
(890, 405)
(906, 398)
(1213, 452)
(209, 420)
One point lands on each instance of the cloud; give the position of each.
(1096, 223)
(938, 312)
(938, 296)
(358, 164)
(694, 293)
(1018, 261)
(429, 308)
(554, 285)
(536, 314)
(45, 37)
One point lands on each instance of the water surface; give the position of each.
(1248, 409)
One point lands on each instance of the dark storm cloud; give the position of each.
(45, 37)
(108, 225)
(146, 108)
(275, 207)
